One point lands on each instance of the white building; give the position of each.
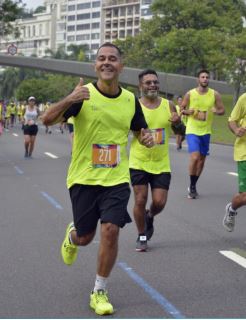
(41, 32)
(84, 24)
(122, 18)
(79, 22)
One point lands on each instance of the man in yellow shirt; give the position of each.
(237, 124)
(200, 104)
(98, 175)
(151, 166)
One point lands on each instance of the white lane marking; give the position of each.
(235, 257)
(233, 174)
(51, 155)
(15, 134)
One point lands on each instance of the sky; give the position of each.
(33, 4)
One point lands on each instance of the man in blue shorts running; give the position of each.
(200, 104)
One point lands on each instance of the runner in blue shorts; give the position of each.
(199, 104)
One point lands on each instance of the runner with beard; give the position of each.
(151, 166)
(199, 105)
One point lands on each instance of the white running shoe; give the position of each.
(229, 218)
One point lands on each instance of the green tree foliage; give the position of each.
(9, 81)
(59, 54)
(9, 12)
(40, 9)
(186, 35)
(12, 77)
(224, 15)
(75, 52)
(51, 88)
(235, 61)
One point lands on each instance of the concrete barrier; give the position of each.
(171, 84)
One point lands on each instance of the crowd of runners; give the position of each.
(102, 113)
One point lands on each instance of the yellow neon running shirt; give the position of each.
(201, 103)
(238, 115)
(8, 111)
(101, 122)
(156, 159)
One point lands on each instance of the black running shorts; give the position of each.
(30, 130)
(140, 177)
(70, 127)
(93, 203)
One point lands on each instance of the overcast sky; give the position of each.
(33, 3)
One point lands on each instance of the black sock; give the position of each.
(193, 180)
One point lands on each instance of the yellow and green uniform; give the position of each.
(183, 117)
(21, 107)
(239, 116)
(8, 111)
(46, 106)
(13, 109)
(101, 129)
(1, 111)
(156, 159)
(202, 103)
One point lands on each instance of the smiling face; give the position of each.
(149, 86)
(108, 64)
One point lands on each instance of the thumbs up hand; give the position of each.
(80, 92)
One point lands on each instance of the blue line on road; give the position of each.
(18, 170)
(52, 200)
(155, 295)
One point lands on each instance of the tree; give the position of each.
(9, 83)
(9, 12)
(40, 9)
(59, 54)
(235, 62)
(50, 88)
(77, 52)
(184, 36)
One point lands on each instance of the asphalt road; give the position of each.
(185, 273)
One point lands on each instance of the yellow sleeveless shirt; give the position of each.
(156, 159)
(101, 131)
(202, 103)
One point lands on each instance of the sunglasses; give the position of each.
(149, 82)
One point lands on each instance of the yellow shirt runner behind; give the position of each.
(202, 103)
(239, 116)
(156, 159)
(101, 130)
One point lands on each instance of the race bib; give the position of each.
(105, 155)
(200, 115)
(158, 135)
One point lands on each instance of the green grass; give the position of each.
(221, 132)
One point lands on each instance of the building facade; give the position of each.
(42, 32)
(122, 18)
(78, 22)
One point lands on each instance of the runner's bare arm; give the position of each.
(54, 114)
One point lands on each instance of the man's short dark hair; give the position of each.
(145, 72)
(109, 44)
(202, 71)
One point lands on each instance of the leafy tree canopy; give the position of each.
(9, 12)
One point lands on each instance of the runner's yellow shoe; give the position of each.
(69, 251)
(100, 304)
